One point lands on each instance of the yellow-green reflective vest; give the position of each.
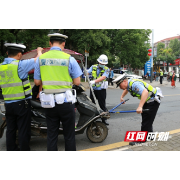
(151, 91)
(94, 74)
(161, 73)
(54, 72)
(13, 88)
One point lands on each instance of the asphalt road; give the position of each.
(167, 119)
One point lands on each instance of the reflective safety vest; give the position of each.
(13, 88)
(151, 91)
(94, 74)
(54, 72)
(161, 73)
(170, 73)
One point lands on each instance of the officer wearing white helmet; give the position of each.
(149, 96)
(16, 90)
(56, 71)
(100, 72)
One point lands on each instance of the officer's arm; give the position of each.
(37, 82)
(77, 81)
(102, 78)
(39, 52)
(124, 94)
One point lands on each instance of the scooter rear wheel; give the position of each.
(97, 135)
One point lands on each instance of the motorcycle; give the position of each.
(87, 118)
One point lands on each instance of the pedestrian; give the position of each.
(157, 75)
(179, 75)
(173, 80)
(111, 75)
(100, 72)
(168, 77)
(16, 90)
(161, 76)
(154, 75)
(56, 71)
(170, 74)
(149, 99)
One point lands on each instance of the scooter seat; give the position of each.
(36, 104)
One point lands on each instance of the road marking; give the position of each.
(121, 149)
(173, 95)
(119, 144)
(108, 147)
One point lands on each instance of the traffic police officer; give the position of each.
(100, 72)
(161, 76)
(149, 99)
(56, 71)
(16, 90)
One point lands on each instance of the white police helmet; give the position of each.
(14, 46)
(103, 59)
(57, 36)
(119, 79)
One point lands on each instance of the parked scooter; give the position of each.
(87, 118)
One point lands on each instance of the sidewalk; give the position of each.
(172, 144)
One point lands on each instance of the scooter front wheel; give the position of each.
(97, 132)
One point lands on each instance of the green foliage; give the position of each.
(166, 54)
(122, 46)
(130, 46)
(175, 46)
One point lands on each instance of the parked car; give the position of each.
(119, 72)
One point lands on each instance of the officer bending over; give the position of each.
(16, 90)
(56, 71)
(149, 99)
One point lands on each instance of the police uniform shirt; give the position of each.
(74, 68)
(138, 88)
(24, 67)
(106, 73)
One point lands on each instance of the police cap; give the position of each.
(58, 36)
(14, 46)
(119, 79)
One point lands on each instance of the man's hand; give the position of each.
(39, 53)
(139, 110)
(39, 50)
(92, 82)
(122, 100)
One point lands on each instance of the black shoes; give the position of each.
(105, 122)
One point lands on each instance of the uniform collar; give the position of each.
(8, 60)
(56, 48)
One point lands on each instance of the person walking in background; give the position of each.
(157, 75)
(154, 75)
(111, 75)
(161, 76)
(173, 79)
(170, 75)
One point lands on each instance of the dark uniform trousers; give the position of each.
(149, 116)
(161, 78)
(66, 114)
(18, 117)
(101, 97)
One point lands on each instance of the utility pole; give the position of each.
(152, 56)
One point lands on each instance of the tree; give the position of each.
(165, 54)
(95, 41)
(129, 45)
(175, 46)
